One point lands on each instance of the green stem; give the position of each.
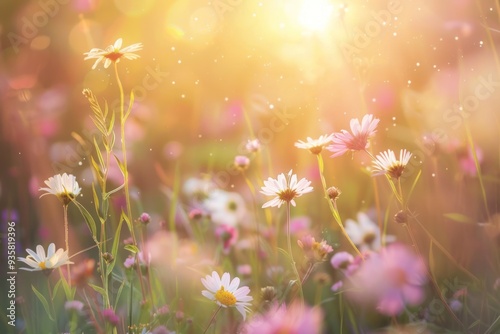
(308, 272)
(212, 319)
(435, 286)
(125, 173)
(333, 207)
(289, 244)
(52, 303)
(66, 237)
(124, 152)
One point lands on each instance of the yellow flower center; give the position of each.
(225, 297)
(287, 195)
(42, 265)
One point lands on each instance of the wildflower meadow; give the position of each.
(300, 167)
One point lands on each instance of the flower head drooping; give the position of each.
(315, 146)
(285, 188)
(63, 186)
(226, 293)
(113, 53)
(344, 141)
(386, 163)
(39, 261)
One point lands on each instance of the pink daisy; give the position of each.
(344, 141)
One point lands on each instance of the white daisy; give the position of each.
(227, 208)
(38, 261)
(113, 53)
(63, 186)
(198, 188)
(365, 233)
(386, 163)
(285, 188)
(226, 293)
(315, 146)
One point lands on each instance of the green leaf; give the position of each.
(130, 104)
(68, 290)
(122, 167)
(44, 302)
(119, 293)
(96, 199)
(127, 220)
(88, 219)
(56, 287)
(413, 186)
(97, 170)
(394, 190)
(458, 217)
(98, 289)
(111, 121)
(132, 249)
(99, 156)
(112, 141)
(98, 124)
(109, 193)
(114, 249)
(284, 252)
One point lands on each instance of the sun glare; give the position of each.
(314, 15)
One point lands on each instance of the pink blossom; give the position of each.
(467, 163)
(295, 319)
(392, 279)
(110, 316)
(300, 225)
(228, 235)
(337, 286)
(344, 141)
(244, 269)
(341, 260)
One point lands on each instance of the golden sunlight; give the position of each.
(314, 15)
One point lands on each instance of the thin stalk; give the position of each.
(308, 272)
(333, 206)
(52, 303)
(66, 234)
(445, 252)
(125, 172)
(254, 255)
(212, 319)
(124, 151)
(289, 244)
(478, 169)
(432, 280)
(130, 301)
(377, 197)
